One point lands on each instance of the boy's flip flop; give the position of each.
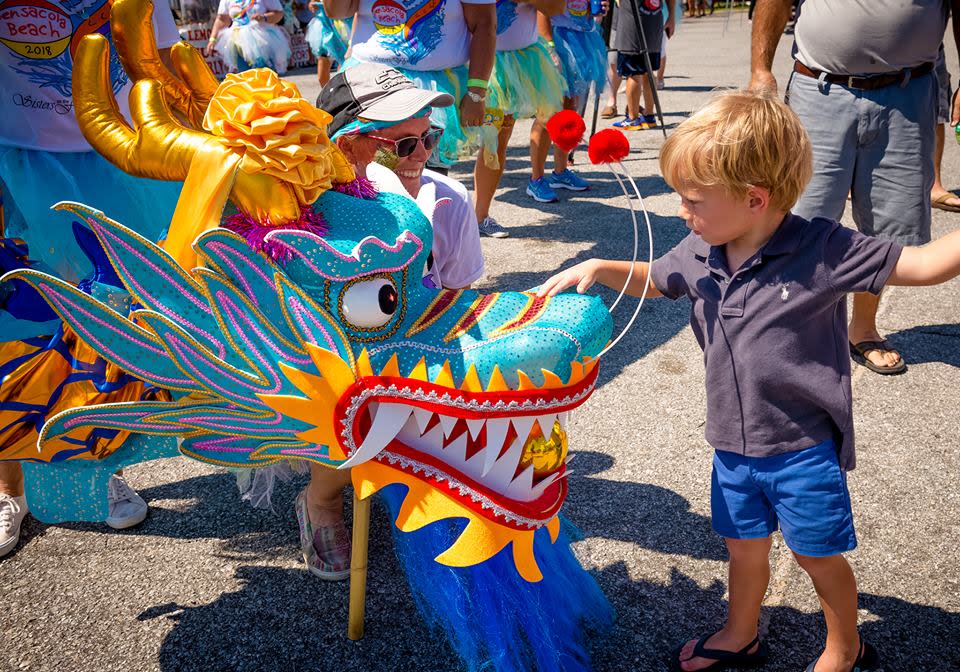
(868, 660)
(858, 353)
(724, 659)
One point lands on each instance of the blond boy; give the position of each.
(768, 307)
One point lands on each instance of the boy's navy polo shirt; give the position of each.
(774, 332)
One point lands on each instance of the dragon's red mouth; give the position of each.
(473, 445)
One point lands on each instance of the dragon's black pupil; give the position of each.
(430, 261)
(388, 299)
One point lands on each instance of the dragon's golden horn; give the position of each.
(193, 70)
(132, 30)
(100, 120)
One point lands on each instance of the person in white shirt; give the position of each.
(245, 35)
(431, 42)
(380, 115)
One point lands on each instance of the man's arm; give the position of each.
(341, 9)
(482, 24)
(769, 19)
(670, 24)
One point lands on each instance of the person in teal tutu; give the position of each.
(328, 40)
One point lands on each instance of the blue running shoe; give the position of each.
(541, 191)
(649, 121)
(568, 180)
(627, 124)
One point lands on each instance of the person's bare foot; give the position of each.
(832, 660)
(722, 640)
(881, 358)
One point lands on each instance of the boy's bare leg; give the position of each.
(749, 574)
(648, 104)
(836, 587)
(863, 327)
(633, 97)
(486, 179)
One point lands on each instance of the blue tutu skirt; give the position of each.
(254, 45)
(525, 83)
(454, 142)
(328, 37)
(583, 60)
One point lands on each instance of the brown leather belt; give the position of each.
(866, 83)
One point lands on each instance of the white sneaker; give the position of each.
(127, 508)
(12, 512)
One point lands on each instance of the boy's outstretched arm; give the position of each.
(610, 273)
(931, 264)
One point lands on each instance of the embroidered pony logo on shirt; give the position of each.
(784, 291)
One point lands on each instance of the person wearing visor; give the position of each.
(442, 45)
(381, 122)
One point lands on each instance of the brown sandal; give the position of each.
(858, 353)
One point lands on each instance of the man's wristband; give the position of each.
(478, 83)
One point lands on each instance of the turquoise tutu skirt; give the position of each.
(583, 60)
(525, 83)
(454, 142)
(328, 37)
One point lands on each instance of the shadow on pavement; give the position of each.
(647, 515)
(928, 343)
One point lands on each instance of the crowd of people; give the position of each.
(762, 186)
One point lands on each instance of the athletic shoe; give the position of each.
(490, 227)
(326, 549)
(568, 180)
(626, 124)
(127, 508)
(12, 512)
(541, 191)
(649, 121)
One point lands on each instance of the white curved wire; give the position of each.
(636, 243)
(646, 284)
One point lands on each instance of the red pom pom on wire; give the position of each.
(608, 146)
(566, 129)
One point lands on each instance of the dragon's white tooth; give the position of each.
(564, 419)
(523, 425)
(570, 457)
(546, 423)
(475, 426)
(521, 487)
(387, 423)
(503, 471)
(496, 433)
(448, 423)
(541, 487)
(456, 452)
(422, 416)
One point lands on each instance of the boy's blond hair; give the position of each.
(739, 140)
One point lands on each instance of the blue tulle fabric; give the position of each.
(328, 37)
(493, 618)
(583, 60)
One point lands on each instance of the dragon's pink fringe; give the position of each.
(254, 232)
(359, 188)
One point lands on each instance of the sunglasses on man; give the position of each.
(404, 147)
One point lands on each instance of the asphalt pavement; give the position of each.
(208, 583)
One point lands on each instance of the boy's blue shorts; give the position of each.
(803, 492)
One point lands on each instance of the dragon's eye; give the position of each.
(370, 303)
